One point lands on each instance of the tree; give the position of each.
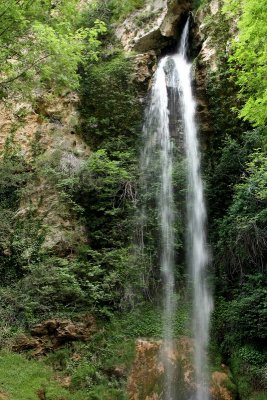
(41, 43)
(249, 57)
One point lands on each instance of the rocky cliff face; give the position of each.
(149, 30)
(156, 27)
(38, 132)
(152, 27)
(206, 63)
(47, 127)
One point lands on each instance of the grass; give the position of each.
(98, 369)
(21, 379)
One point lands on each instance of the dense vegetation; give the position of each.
(50, 36)
(237, 166)
(49, 48)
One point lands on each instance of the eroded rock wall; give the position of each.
(38, 132)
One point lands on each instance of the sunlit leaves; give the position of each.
(249, 57)
(41, 44)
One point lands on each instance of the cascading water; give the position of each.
(156, 166)
(196, 212)
(157, 157)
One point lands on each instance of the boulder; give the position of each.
(54, 333)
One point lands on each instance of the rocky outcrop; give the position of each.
(54, 333)
(206, 63)
(40, 132)
(49, 124)
(207, 55)
(146, 379)
(220, 385)
(144, 67)
(156, 26)
(151, 27)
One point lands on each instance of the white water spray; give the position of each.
(196, 212)
(157, 156)
(156, 165)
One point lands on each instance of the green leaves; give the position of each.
(110, 109)
(42, 45)
(249, 57)
(242, 231)
(122, 8)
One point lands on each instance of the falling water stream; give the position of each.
(196, 215)
(156, 163)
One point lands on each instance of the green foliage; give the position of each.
(248, 366)
(14, 174)
(105, 191)
(236, 191)
(146, 321)
(42, 45)
(122, 8)
(110, 110)
(106, 360)
(15, 247)
(249, 57)
(199, 3)
(241, 319)
(243, 229)
(100, 192)
(21, 379)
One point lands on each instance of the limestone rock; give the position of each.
(146, 379)
(149, 28)
(214, 6)
(54, 333)
(65, 330)
(51, 122)
(219, 389)
(46, 129)
(24, 343)
(206, 63)
(144, 67)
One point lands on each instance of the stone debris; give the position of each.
(54, 333)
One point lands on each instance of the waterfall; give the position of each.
(196, 216)
(156, 165)
(156, 169)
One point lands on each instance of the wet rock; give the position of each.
(146, 379)
(144, 66)
(46, 328)
(219, 386)
(65, 330)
